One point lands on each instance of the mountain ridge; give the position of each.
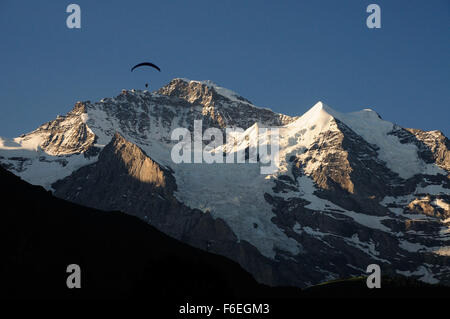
(367, 188)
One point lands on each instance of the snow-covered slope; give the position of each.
(348, 189)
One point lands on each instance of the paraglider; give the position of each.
(145, 64)
(149, 64)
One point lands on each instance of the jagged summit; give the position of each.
(206, 87)
(190, 90)
(209, 94)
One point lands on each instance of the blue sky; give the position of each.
(285, 55)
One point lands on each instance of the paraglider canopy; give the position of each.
(145, 64)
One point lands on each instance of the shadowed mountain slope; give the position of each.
(122, 257)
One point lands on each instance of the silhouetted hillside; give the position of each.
(122, 257)
(119, 255)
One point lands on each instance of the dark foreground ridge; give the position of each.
(122, 257)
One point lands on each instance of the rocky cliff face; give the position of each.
(349, 190)
(227, 109)
(125, 179)
(433, 146)
(67, 134)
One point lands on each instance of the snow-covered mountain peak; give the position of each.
(350, 185)
(318, 112)
(321, 111)
(321, 106)
(317, 119)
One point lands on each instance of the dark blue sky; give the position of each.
(285, 55)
